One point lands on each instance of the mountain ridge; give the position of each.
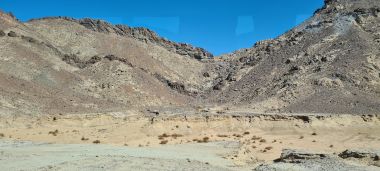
(139, 33)
(328, 64)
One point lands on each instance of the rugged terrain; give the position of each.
(62, 65)
(86, 94)
(328, 64)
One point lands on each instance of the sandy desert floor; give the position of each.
(207, 141)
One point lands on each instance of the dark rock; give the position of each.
(177, 86)
(306, 119)
(12, 34)
(123, 60)
(2, 34)
(95, 59)
(155, 112)
(296, 156)
(71, 59)
(218, 86)
(206, 74)
(74, 60)
(29, 39)
(375, 156)
(305, 161)
(111, 57)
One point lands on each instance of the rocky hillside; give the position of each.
(61, 65)
(328, 64)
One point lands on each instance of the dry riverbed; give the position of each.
(209, 142)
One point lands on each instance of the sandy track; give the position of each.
(34, 156)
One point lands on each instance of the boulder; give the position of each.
(296, 156)
(361, 153)
(12, 34)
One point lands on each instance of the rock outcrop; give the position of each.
(141, 34)
(146, 35)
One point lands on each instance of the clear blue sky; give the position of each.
(220, 26)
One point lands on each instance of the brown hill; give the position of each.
(328, 64)
(62, 65)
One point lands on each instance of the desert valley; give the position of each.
(84, 94)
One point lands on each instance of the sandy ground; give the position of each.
(42, 156)
(225, 141)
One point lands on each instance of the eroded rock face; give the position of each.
(146, 35)
(142, 34)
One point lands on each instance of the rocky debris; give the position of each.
(306, 161)
(206, 74)
(72, 59)
(12, 34)
(225, 74)
(29, 39)
(177, 86)
(93, 60)
(219, 85)
(2, 34)
(297, 156)
(122, 60)
(360, 153)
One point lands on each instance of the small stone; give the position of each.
(206, 74)
(2, 34)
(12, 34)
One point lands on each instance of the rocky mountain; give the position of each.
(61, 65)
(328, 64)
